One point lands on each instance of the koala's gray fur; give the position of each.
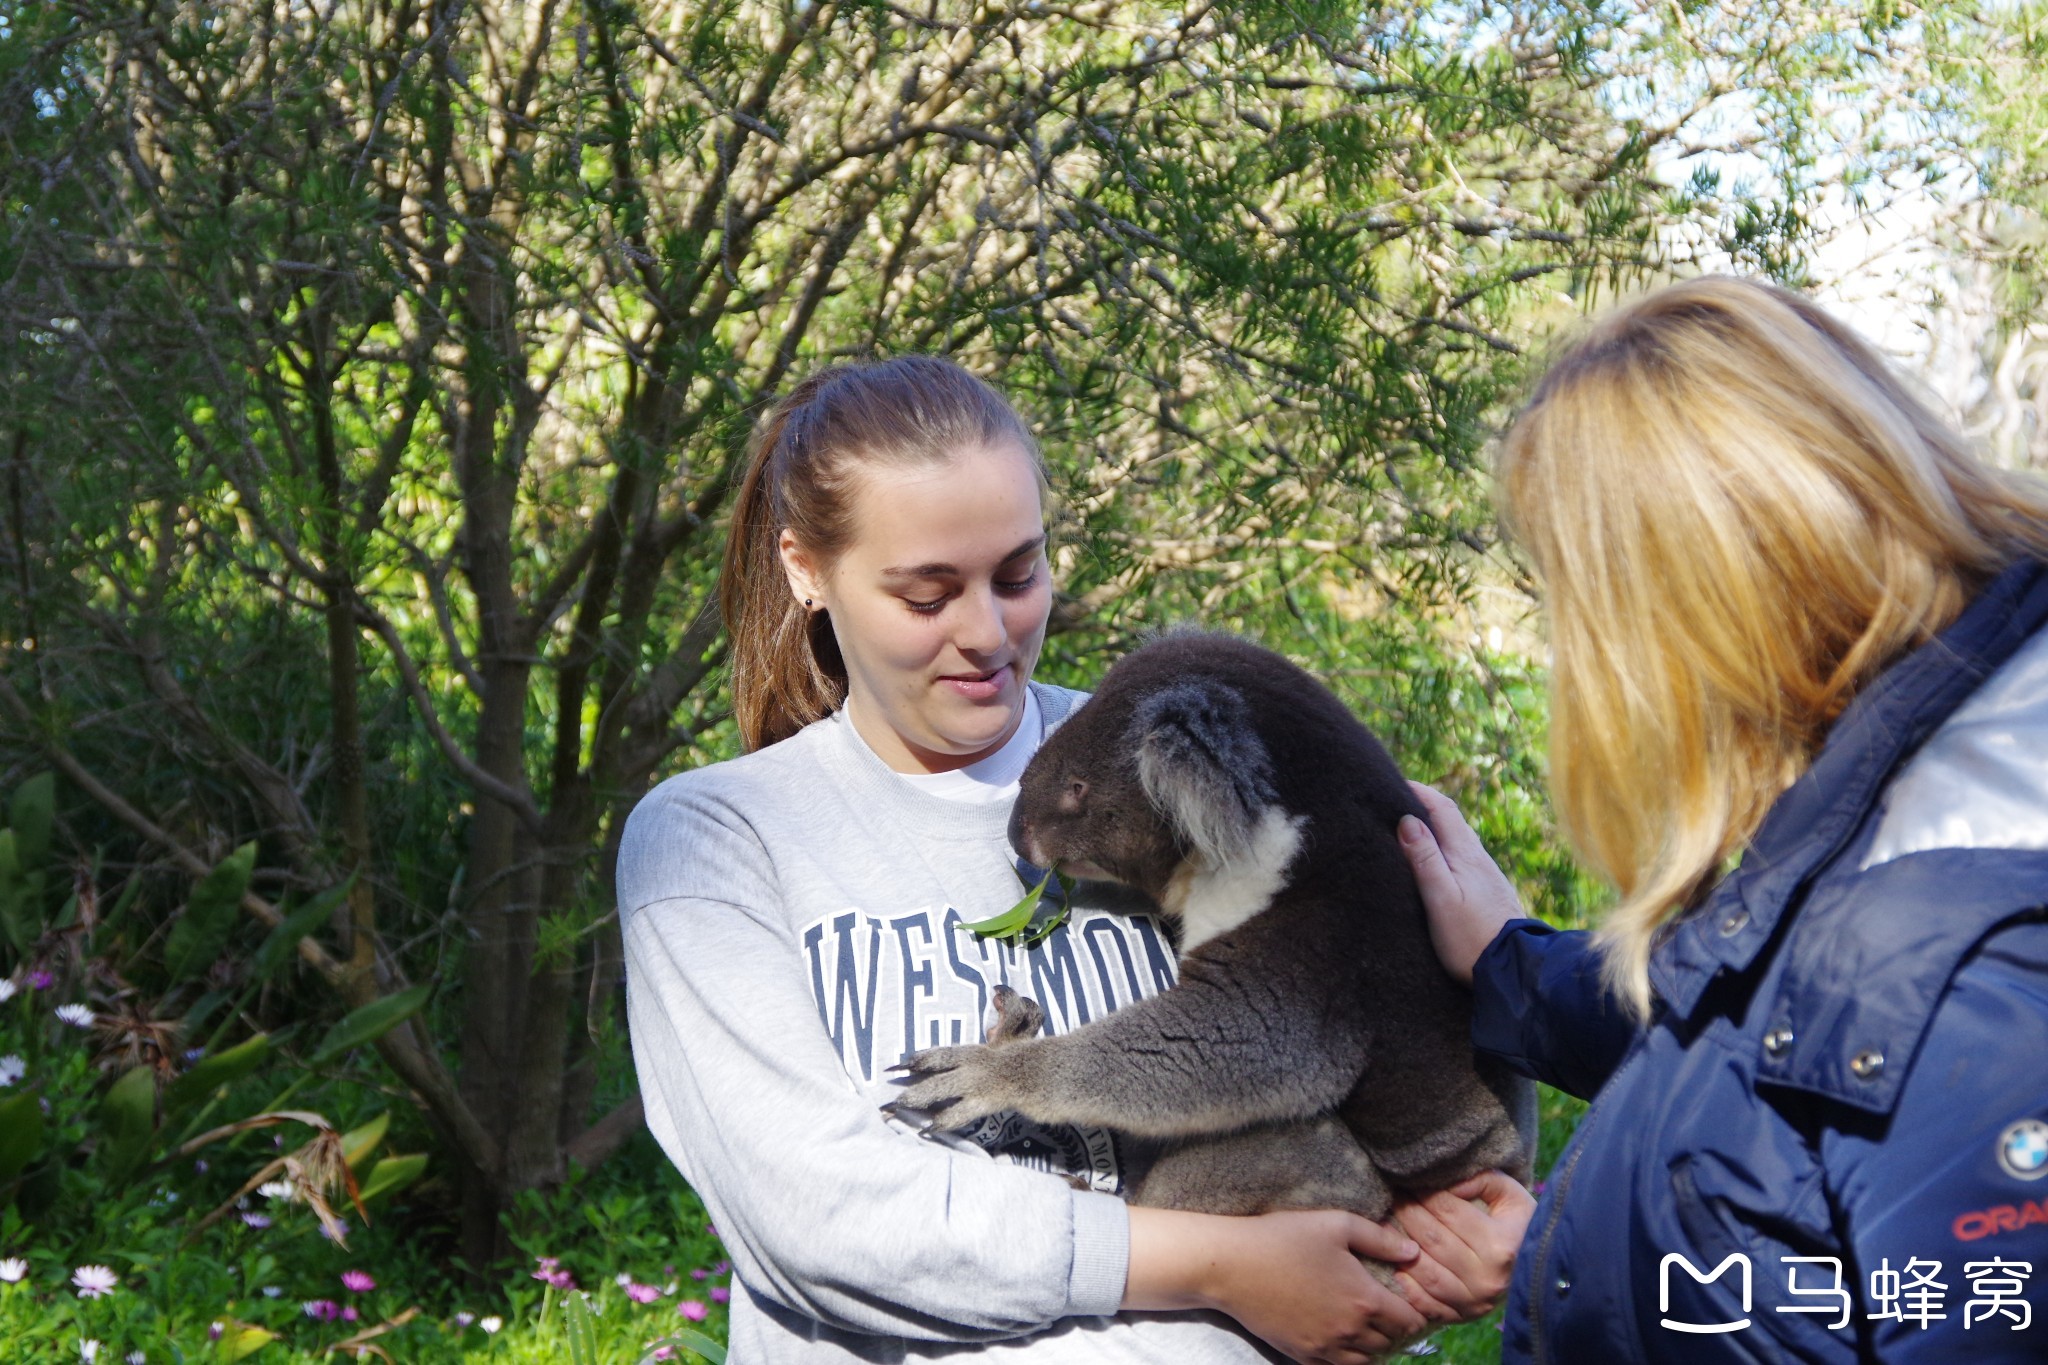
(1314, 1053)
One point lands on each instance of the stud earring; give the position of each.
(807, 601)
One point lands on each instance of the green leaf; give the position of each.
(391, 1175)
(690, 1341)
(222, 1068)
(369, 1023)
(31, 815)
(358, 1143)
(17, 913)
(202, 931)
(21, 1133)
(128, 1117)
(283, 941)
(582, 1332)
(239, 1339)
(1012, 921)
(1016, 922)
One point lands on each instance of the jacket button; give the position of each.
(1867, 1064)
(1777, 1041)
(1564, 1285)
(1734, 922)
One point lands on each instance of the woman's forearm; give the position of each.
(1294, 1278)
(1176, 1259)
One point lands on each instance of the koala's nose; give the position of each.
(1020, 833)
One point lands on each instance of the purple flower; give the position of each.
(213, 1333)
(357, 1282)
(257, 1221)
(40, 980)
(322, 1310)
(642, 1293)
(700, 1273)
(464, 1319)
(348, 1314)
(721, 1267)
(720, 1294)
(693, 1309)
(663, 1352)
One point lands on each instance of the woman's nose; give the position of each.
(980, 628)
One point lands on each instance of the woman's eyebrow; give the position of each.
(944, 570)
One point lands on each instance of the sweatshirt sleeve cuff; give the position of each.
(1102, 1255)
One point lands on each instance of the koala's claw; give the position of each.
(956, 1086)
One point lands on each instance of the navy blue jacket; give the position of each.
(1847, 1061)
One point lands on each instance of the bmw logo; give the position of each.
(2023, 1150)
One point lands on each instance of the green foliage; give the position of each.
(128, 1123)
(1022, 921)
(369, 1023)
(199, 934)
(215, 1073)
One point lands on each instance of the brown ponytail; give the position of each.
(904, 412)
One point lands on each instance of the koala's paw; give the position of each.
(957, 1086)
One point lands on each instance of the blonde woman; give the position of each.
(1800, 720)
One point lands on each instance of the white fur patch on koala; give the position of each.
(1212, 900)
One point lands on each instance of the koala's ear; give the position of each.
(1203, 765)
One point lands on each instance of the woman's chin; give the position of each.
(978, 729)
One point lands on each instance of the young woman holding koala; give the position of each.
(1800, 719)
(791, 922)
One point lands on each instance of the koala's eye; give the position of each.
(1075, 795)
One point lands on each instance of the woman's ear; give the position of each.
(797, 565)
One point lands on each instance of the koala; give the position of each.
(1313, 1052)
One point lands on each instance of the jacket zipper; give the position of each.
(1539, 1286)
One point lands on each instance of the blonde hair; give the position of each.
(1739, 515)
(907, 411)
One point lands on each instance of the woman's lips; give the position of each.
(978, 686)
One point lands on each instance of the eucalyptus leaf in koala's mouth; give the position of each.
(1016, 923)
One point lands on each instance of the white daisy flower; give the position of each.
(12, 1068)
(7, 989)
(89, 1350)
(78, 1016)
(278, 1189)
(491, 1324)
(93, 1281)
(12, 1268)
(136, 1358)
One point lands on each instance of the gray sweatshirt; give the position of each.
(790, 930)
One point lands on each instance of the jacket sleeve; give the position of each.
(826, 1208)
(1954, 1192)
(1538, 1004)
